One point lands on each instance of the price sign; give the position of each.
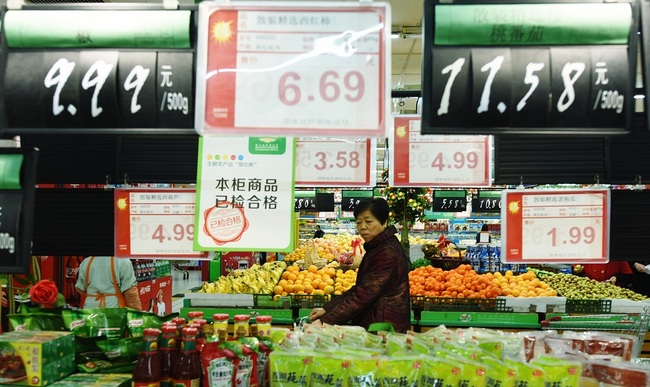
(479, 83)
(334, 162)
(155, 222)
(293, 69)
(486, 201)
(304, 203)
(105, 89)
(449, 160)
(449, 201)
(350, 199)
(559, 226)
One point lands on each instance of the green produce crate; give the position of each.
(267, 301)
(480, 319)
(460, 304)
(588, 306)
(304, 301)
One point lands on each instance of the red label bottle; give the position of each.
(187, 371)
(168, 354)
(147, 371)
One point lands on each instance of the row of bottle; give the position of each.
(146, 270)
(172, 356)
(485, 258)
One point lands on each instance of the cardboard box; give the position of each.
(36, 358)
(92, 380)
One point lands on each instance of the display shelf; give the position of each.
(480, 319)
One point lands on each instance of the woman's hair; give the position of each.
(378, 207)
(484, 227)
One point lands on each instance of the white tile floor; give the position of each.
(180, 284)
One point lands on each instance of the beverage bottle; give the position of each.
(187, 371)
(147, 372)
(168, 354)
(72, 297)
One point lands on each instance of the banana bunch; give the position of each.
(254, 280)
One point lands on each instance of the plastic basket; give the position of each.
(447, 263)
(460, 304)
(306, 301)
(588, 306)
(266, 301)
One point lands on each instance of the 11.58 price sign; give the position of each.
(445, 160)
(293, 69)
(558, 226)
(155, 223)
(330, 162)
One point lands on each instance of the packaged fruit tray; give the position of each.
(588, 306)
(460, 304)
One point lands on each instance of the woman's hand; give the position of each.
(316, 313)
(639, 267)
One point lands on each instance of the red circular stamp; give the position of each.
(225, 224)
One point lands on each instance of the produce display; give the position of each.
(464, 282)
(315, 281)
(575, 287)
(254, 280)
(330, 247)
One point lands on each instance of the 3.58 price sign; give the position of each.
(329, 162)
(305, 69)
(558, 226)
(449, 160)
(155, 222)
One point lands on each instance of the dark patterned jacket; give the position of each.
(381, 293)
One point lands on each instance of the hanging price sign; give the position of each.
(559, 226)
(324, 162)
(445, 160)
(449, 201)
(297, 69)
(155, 222)
(486, 201)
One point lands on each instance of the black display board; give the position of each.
(491, 67)
(17, 214)
(629, 226)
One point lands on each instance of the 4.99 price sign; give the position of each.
(155, 222)
(297, 70)
(558, 226)
(449, 160)
(334, 162)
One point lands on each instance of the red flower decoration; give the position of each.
(44, 292)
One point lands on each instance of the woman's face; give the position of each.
(368, 226)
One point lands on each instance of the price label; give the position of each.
(446, 160)
(155, 223)
(487, 201)
(556, 226)
(449, 201)
(298, 70)
(334, 162)
(304, 204)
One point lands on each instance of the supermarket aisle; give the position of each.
(181, 283)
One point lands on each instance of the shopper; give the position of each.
(319, 233)
(484, 229)
(615, 272)
(108, 282)
(381, 293)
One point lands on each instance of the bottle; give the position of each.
(263, 325)
(194, 315)
(180, 323)
(147, 371)
(168, 354)
(220, 321)
(204, 331)
(187, 371)
(241, 325)
(72, 297)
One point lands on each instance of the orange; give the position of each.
(312, 268)
(278, 290)
(299, 288)
(292, 277)
(328, 289)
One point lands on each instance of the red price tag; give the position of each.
(304, 69)
(155, 222)
(437, 160)
(558, 226)
(334, 162)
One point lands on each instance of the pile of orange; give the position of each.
(313, 281)
(463, 282)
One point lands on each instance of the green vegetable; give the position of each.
(422, 262)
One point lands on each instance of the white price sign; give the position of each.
(334, 162)
(296, 69)
(437, 160)
(559, 226)
(155, 222)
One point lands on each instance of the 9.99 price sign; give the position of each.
(334, 162)
(449, 160)
(296, 70)
(155, 222)
(566, 226)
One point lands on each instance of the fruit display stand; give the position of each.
(234, 304)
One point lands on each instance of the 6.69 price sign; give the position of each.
(155, 222)
(558, 226)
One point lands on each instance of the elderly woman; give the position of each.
(381, 293)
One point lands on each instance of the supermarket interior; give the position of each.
(506, 142)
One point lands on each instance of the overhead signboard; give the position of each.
(303, 68)
(529, 67)
(555, 226)
(437, 161)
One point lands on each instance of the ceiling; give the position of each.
(406, 56)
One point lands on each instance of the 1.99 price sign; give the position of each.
(334, 162)
(155, 222)
(448, 160)
(297, 70)
(555, 226)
